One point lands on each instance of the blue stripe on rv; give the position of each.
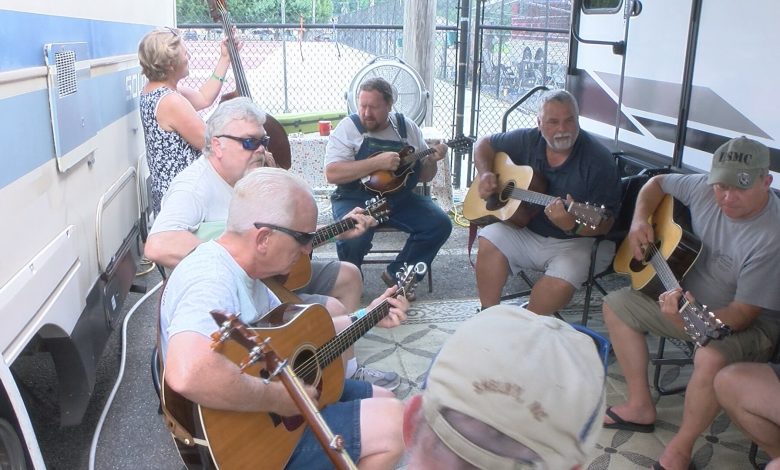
(27, 120)
(28, 32)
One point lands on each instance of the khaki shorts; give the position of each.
(323, 279)
(562, 258)
(642, 313)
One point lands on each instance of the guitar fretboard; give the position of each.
(332, 231)
(409, 159)
(528, 196)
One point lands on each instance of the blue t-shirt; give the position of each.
(589, 174)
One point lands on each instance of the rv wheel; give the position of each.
(11, 451)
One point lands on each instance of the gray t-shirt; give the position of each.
(739, 258)
(197, 201)
(209, 278)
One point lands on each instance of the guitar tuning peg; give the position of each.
(222, 334)
(255, 355)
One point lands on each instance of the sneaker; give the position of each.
(388, 380)
(387, 279)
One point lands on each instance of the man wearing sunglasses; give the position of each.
(194, 210)
(262, 240)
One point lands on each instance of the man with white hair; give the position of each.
(575, 167)
(510, 389)
(260, 241)
(195, 206)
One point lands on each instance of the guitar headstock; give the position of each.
(378, 209)
(587, 214)
(701, 324)
(406, 278)
(232, 328)
(460, 143)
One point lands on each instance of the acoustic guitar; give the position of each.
(520, 197)
(300, 273)
(305, 335)
(259, 350)
(387, 182)
(666, 261)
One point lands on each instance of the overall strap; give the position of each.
(401, 126)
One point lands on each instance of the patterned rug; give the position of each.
(409, 349)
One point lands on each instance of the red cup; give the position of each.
(324, 127)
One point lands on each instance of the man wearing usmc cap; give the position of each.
(736, 216)
(534, 398)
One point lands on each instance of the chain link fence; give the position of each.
(308, 69)
(312, 75)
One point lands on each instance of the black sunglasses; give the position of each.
(250, 143)
(303, 238)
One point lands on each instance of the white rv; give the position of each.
(668, 81)
(71, 202)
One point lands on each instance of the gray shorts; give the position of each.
(323, 279)
(642, 313)
(562, 258)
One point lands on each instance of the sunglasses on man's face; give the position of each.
(250, 143)
(303, 238)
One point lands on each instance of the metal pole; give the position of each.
(460, 96)
(284, 57)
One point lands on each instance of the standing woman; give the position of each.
(174, 131)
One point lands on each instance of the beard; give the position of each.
(562, 141)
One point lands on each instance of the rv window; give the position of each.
(601, 6)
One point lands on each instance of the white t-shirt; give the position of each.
(207, 279)
(345, 140)
(196, 201)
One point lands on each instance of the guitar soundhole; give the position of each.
(306, 367)
(497, 201)
(638, 266)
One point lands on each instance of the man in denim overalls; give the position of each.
(374, 130)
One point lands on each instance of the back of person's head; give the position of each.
(158, 53)
(237, 109)
(560, 96)
(511, 387)
(270, 195)
(380, 85)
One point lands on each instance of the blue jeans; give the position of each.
(343, 418)
(427, 225)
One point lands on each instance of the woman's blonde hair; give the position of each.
(158, 53)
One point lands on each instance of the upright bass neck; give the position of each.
(220, 13)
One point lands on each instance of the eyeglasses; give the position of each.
(250, 143)
(303, 238)
(173, 31)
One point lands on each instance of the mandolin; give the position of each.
(387, 182)
(280, 144)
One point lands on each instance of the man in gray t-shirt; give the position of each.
(553, 241)
(736, 216)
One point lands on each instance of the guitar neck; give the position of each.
(336, 346)
(242, 84)
(529, 196)
(332, 231)
(663, 270)
(409, 159)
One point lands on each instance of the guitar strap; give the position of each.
(472, 237)
(179, 431)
